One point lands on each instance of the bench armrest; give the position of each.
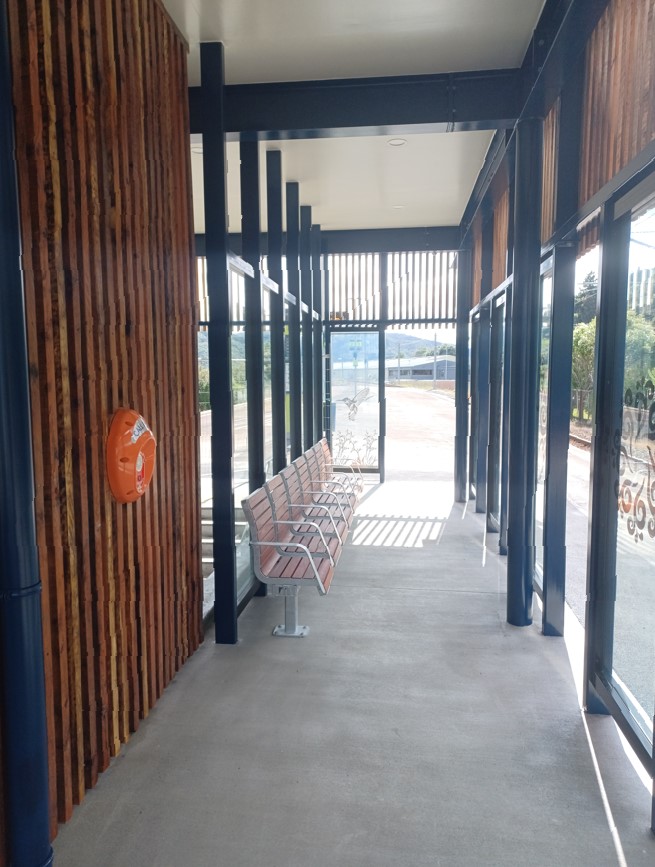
(324, 493)
(305, 524)
(320, 506)
(306, 552)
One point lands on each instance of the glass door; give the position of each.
(354, 408)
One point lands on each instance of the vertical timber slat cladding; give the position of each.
(619, 98)
(549, 172)
(100, 94)
(500, 238)
(476, 230)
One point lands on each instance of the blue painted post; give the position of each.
(524, 374)
(274, 217)
(294, 320)
(307, 327)
(462, 374)
(219, 340)
(317, 301)
(250, 251)
(21, 643)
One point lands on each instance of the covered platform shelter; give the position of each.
(238, 220)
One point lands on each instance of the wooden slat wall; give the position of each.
(549, 172)
(476, 230)
(100, 92)
(619, 100)
(501, 235)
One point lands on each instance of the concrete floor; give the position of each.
(413, 726)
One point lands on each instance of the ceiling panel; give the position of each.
(297, 40)
(363, 182)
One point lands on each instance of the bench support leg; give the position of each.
(290, 627)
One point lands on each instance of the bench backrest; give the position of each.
(305, 474)
(258, 511)
(277, 494)
(317, 463)
(291, 480)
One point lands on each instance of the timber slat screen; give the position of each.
(421, 287)
(476, 234)
(110, 281)
(619, 100)
(500, 240)
(549, 172)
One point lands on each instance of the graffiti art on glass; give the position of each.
(636, 485)
(354, 415)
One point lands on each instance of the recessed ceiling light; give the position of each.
(196, 149)
(397, 207)
(396, 142)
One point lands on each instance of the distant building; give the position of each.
(421, 368)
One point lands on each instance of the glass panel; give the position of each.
(546, 304)
(634, 612)
(240, 485)
(496, 371)
(355, 398)
(579, 457)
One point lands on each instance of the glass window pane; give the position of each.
(579, 457)
(634, 612)
(544, 359)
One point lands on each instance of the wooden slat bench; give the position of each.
(288, 555)
(299, 522)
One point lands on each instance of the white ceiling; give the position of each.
(361, 182)
(297, 40)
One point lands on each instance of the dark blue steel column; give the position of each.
(21, 643)
(559, 414)
(504, 470)
(219, 342)
(274, 255)
(251, 252)
(483, 383)
(293, 280)
(462, 374)
(317, 295)
(307, 326)
(524, 374)
(382, 362)
(561, 350)
(605, 452)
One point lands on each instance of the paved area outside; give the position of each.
(412, 726)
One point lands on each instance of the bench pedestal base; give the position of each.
(290, 628)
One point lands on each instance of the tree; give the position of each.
(584, 348)
(584, 305)
(639, 349)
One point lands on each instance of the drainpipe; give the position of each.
(24, 747)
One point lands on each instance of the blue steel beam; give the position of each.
(461, 101)
(25, 750)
